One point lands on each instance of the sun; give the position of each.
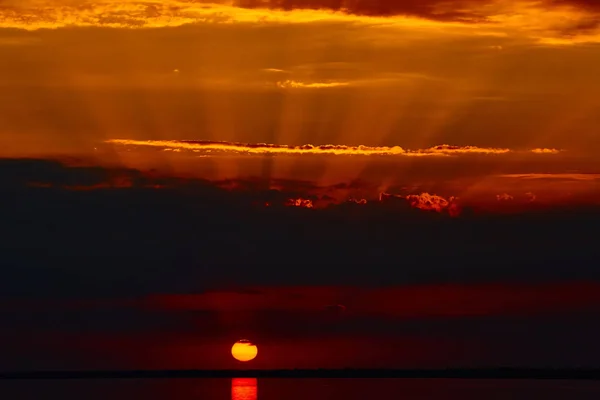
(244, 350)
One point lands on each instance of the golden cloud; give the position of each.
(330, 149)
(289, 84)
(448, 149)
(549, 22)
(546, 151)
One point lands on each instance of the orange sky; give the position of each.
(511, 84)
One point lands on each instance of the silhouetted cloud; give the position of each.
(279, 192)
(117, 238)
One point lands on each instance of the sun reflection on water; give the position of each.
(244, 389)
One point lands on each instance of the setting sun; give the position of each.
(244, 350)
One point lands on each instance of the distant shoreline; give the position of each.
(500, 373)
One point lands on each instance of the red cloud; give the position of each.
(450, 300)
(421, 8)
(300, 202)
(504, 197)
(424, 201)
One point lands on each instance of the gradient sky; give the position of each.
(491, 101)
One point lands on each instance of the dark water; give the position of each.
(298, 389)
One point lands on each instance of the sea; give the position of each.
(297, 389)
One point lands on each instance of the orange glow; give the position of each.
(449, 98)
(244, 350)
(244, 389)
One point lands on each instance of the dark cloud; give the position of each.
(441, 10)
(591, 5)
(23, 172)
(422, 8)
(61, 238)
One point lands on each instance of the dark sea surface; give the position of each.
(298, 389)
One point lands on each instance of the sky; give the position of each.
(180, 174)
(118, 83)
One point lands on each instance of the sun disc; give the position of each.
(244, 350)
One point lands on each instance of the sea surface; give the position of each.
(298, 389)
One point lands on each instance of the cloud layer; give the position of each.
(264, 148)
(549, 21)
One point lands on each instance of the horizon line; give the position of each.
(574, 373)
